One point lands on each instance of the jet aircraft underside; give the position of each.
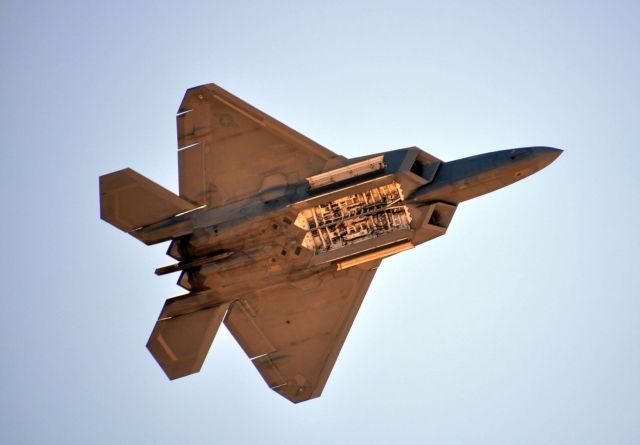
(279, 238)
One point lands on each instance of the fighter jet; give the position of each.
(279, 238)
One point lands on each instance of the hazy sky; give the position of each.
(520, 326)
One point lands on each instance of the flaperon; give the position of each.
(279, 237)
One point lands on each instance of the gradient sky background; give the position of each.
(520, 326)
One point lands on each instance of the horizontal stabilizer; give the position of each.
(181, 343)
(129, 201)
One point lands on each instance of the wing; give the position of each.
(229, 150)
(293, 333)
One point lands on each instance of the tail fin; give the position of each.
(180, 342)
(129, 201)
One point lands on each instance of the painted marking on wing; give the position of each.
(167, 349)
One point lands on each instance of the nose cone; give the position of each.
(467, 178)
(545, 155)
(526, 161)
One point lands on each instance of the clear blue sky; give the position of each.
(520, 326)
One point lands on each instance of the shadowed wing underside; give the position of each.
(229, 150)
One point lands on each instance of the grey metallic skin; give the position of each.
(279, 238)
(468, 178)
